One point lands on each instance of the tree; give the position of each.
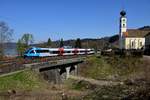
(78, 43)
(61, 43)
(5, 35)
(20, 47)
(23, 43)
(49, 42)
(27, 39)
(114, 38)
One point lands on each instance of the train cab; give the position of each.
(36, 52)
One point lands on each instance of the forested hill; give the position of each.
(146, 28)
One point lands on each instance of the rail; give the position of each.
(20, 64)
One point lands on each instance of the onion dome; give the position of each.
(122, 13)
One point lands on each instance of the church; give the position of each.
(131, 38)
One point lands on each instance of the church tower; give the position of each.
(122, 28)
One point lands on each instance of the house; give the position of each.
(147, 41)
(131, 38)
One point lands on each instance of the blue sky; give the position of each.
(71, 19)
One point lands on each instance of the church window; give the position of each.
(132, 44)
(140, 43)
(123, 25)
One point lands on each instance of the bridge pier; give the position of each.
(59, 75)
(67, 72)
(56, 72)
(71, 70)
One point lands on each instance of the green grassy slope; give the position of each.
(25, 80)
(110, 67)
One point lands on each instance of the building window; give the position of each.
(132, 44)
(140, 44)
(123, 25)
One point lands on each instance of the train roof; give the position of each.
(38, 48)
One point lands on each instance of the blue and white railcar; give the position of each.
(37, 52)
(49, 52)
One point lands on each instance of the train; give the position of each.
(50, 52)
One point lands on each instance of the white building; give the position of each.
(130, 38)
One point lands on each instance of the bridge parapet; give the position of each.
(57, 70)
(57, 63)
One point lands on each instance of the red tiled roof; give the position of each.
(136, 33)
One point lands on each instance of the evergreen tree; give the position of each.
(78, 43)
(49, 42)
(61, 43)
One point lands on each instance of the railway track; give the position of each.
(17, 63)
(32, 60)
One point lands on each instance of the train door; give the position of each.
(61, 51)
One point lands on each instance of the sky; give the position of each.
(71, 19)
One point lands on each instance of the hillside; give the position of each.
(145, 28)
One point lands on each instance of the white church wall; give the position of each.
(134, 43)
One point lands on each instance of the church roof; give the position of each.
(147, 34)
(136, 33)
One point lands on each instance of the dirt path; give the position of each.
(146, 57)
(96, 82)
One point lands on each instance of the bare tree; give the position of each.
(5, 35)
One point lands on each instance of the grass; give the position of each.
(25, 80)
(110, 67)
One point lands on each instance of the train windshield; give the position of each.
(28, 50)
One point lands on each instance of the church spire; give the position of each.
(122, 27)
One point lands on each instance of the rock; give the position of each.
(11, 92)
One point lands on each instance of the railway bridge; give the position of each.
(58, 70)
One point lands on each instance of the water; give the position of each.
(10, 49)
(10, 52)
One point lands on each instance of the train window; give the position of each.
(42, 51)
(45, 51)
(38, 51)
(67, 51)
(55, 52)
(75, 51)
(82, 51)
